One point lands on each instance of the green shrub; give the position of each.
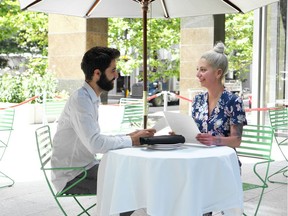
(16, 87)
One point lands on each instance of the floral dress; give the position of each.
(228, 111)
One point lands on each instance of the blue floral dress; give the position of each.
(228, 111)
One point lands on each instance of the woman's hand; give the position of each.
(208, 139)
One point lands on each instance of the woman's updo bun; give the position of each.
(219, 48)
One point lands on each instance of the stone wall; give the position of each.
(69, 38)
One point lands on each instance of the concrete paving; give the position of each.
(30, 196)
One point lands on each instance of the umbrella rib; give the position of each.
(31, 4)
(166, 14)
(92, 8)
(233, 5)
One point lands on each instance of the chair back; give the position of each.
(278, 117)
(53, 109)
(6, 127)
(44, 144)
(256, 142)
(7, 119)
(133, 111)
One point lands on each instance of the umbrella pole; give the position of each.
(145, 10)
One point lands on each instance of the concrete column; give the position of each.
(198, 35)
(68, 39)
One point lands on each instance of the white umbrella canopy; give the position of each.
(150, 8)
(132, 9)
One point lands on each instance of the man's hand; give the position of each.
(135, 136)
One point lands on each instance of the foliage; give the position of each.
(22, 31)
(16, 87)
(126, 34)
(239, 42)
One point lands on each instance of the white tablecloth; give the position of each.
(188, 181)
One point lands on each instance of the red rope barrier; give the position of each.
(261, 109)
(184, 98)
(19, 104)
(153, 96)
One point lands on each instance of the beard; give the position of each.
(104, 83)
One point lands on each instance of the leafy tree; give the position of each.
(126, 34)
(22, 31)
(239, 42)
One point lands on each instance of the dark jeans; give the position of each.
(88, 185)
(126, 213)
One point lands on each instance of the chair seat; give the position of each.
(72, 195)
(250, 186)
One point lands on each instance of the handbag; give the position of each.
(163, 139)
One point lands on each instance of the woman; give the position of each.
(218, 113)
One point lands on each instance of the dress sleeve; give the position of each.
(238, 115)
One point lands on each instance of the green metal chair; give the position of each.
(133, 112)
(52, 109)
(6, 128)
(256, 145)
(279, 122)
(44, 147)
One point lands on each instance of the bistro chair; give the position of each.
(279, 122)
(44, 147)
(6, 127)
(133, 112)
(256, 145)
(52, 109)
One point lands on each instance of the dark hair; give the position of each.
(97, 58)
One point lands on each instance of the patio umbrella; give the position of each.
(132, 9)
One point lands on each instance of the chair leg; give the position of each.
(60, 206)
(258, 205)
(284, 171)
(3, 175)
(81, 206)
(259, 202)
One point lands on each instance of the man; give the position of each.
(78, 137)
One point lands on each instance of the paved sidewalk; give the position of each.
(30, 196)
